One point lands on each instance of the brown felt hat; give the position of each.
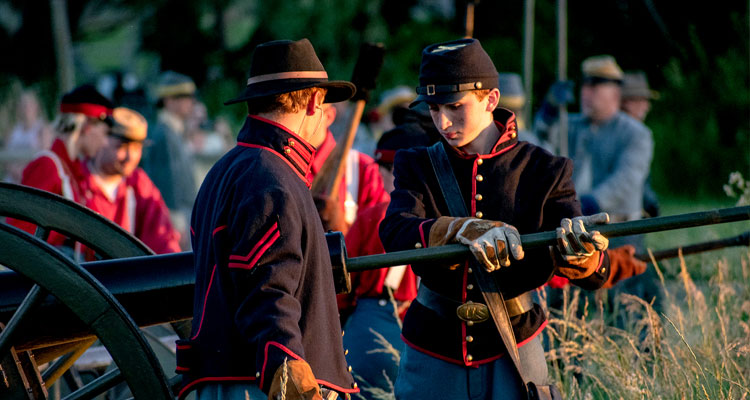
(635, 85)
(603, 67)
(284, 66)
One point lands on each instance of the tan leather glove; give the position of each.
(331, 214)
(623, 265)
(577, 250)
(488, 240)
(300, 382)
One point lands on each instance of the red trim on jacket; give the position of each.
(336, 388)
(278, 125)
(217, 230)
(257, 256)
(205, 300)
(265, 358)
(386, 156)
(190, 386)
(274, 152)
(421, 232)
(258, 250)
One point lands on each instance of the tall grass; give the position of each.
(696, 347)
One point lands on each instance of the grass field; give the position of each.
(694, 345)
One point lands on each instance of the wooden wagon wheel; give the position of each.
(74, 287)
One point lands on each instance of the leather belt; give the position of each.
(469, 311)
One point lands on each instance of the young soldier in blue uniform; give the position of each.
(265, 317)
(508, 187)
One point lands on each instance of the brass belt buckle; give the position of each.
(473, 312)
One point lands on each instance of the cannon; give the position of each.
(52, 308)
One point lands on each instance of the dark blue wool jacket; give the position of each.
(517, 183)
(264, 288)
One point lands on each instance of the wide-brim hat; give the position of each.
(601, 69)
(175, 84)
(635, 85)
(449, 70)
(284, 66)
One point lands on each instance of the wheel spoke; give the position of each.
(97, 386)
(32, 300)
(55, 371)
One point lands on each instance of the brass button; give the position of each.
(470, 270)
(470, 338)
(346, 351)
(513, 135)
(257, 374)
(349, 368)
(354, 385)
(291, 143)
(469, 323)
(480, 178)
(418, 245)
(480, 161)
(342, 333)
(478, 197)
(479, 214)
(604, 270)
(469, 286)
(469, 357)
(287, 150)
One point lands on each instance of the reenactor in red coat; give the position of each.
(123, 193)
(81, 127)
(265, 320)
(507, 187)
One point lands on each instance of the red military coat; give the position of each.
(362, 240)
(138, 208)
(361, 185)
(53, 170)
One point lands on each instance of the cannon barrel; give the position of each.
(458, 252)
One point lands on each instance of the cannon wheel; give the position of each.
(74, 287)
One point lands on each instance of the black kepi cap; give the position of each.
(284, 66)
(449, 69)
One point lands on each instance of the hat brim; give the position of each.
(337, 90)
(439, 98)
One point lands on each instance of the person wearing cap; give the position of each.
(265, 320)
(123, 193)
(380, 297)
(81, 128)
(508, 187)
(168, 160)
(361, 185)
(612, 151)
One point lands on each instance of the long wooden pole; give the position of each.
(63, 46)
(562, 72)
(528, 59)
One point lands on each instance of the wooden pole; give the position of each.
(63, 46)
(528, 59)
(562, 73)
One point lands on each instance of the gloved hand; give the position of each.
(488, 240)
(623, 265)
(300, 382)
(578, 250)
(331, 214)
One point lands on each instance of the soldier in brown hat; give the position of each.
(265, 320)
(637, 95)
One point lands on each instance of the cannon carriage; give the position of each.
(53, 308)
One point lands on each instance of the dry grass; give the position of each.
(696, 347)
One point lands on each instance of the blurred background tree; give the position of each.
(698, 58)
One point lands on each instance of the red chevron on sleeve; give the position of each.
(249, 261)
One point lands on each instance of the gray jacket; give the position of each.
(611, 162)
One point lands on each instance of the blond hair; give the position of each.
(290, 102)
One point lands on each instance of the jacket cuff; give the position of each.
(598, 278)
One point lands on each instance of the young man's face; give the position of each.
(600, 101)
(637, 108)
(119, 157)
(462, 121)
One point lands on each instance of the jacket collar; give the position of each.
(259, 131)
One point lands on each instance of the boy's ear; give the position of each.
(316, 100)
(493, 99)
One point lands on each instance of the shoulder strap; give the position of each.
(490, 291)
(447, 180)
(67, 187)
